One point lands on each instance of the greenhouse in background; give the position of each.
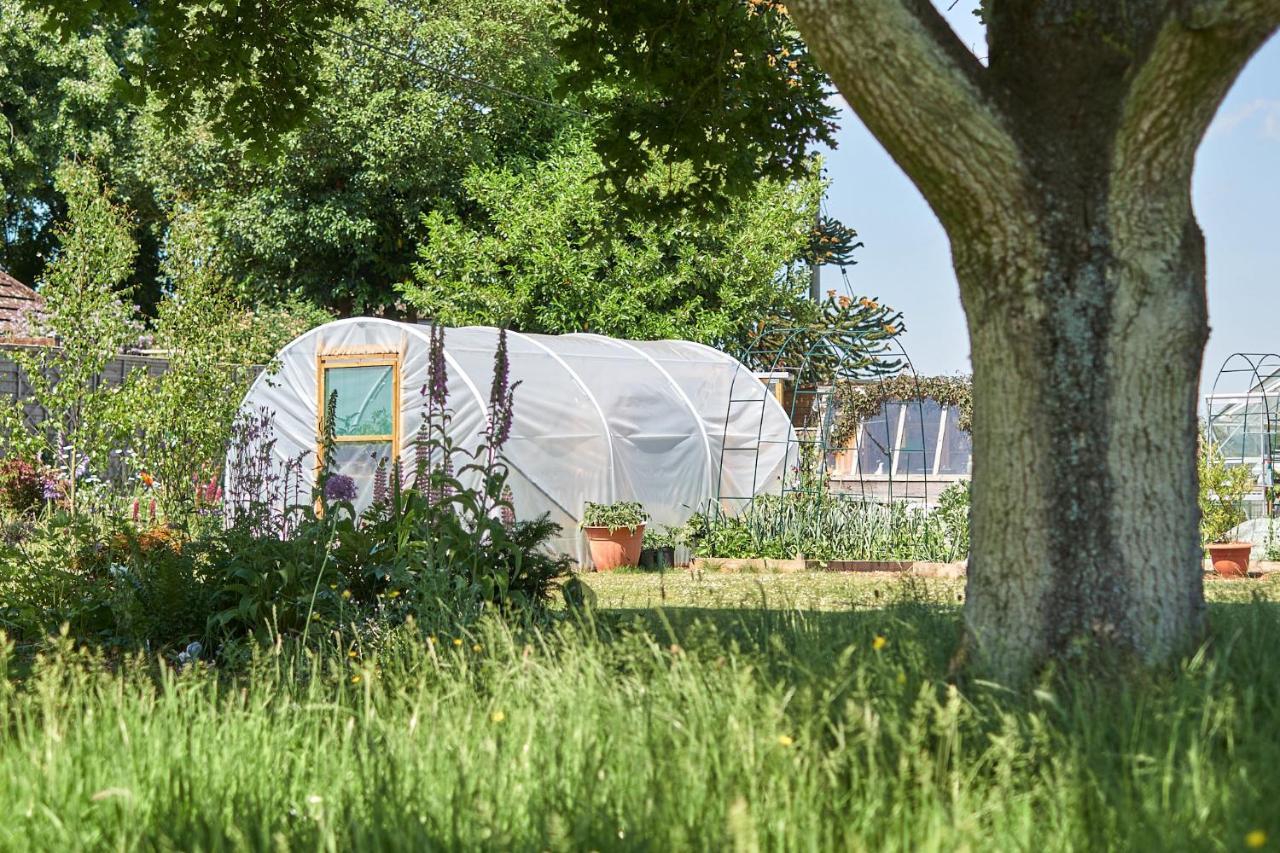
(1242, 420)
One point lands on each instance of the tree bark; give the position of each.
(1061, 172)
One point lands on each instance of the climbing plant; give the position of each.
(858, 401)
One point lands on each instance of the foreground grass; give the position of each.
(750, 713)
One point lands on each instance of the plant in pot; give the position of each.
(658, 550)
(1223, 489)
(614, 533)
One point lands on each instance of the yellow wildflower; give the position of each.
(879, 642)
(355, 679)
(346, 594)
(457, 641)
(351, 653)
(476, 648)
(393, 593)
(1255, 839)
(497, 716)
(785, 740)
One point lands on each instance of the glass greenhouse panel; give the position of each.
(956, 456)
(876, 443)
(365, 399)
(919, 437)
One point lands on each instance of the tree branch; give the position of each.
(1195, 57)
(923, 95)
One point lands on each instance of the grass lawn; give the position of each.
(752, 712)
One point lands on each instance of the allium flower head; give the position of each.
(340, 487)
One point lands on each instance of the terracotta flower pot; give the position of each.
(1230, 559)
(610, 549)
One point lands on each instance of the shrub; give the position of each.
(22, 485)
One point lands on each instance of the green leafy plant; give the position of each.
(816, 525)
(628, 514)
(1223, 489)
(662, 536)
(89, 316)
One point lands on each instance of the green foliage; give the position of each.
(1223, 489)
(61, 102)
(336, 213)
(663, 536)
(614, 516)
(251, 63)
(857, 402)
(815, 525)
(838, 339)
(183, 417)
(761, 704)
(543, 251)
(725, 88)
(89, 315)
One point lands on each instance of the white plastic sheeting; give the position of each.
(596, 419)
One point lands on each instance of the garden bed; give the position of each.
(920, 568)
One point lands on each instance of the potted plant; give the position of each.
(614, 533)
(658, 549)
(1222, 492)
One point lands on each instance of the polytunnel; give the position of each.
(671, 424)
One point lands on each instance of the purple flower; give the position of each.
(507, 508)
(340, 487)
(49, 489)
(380, 483)
(501, 395)
(438, 375)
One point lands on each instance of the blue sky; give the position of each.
(1236, 192)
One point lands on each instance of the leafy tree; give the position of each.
(88, 313)
(59, 101)
(335, 214)
(1060, 167)
(252, 63)
(544, 251)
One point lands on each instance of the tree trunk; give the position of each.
(1085, 525)
(1061, 170)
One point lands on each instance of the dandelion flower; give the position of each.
(497, 716)
(785, 740)
(457, 641)
(1255, 839)
(476, 648)
(351, 653)
(879, 642)
(355, 679)
(346, 594)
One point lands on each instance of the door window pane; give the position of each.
(359, 460)
(365, 399)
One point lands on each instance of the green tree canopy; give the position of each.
(544, 251)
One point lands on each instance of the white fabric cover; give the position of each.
(596, 419)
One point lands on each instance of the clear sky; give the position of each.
(1236, 192)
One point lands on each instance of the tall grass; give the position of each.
(749, 728)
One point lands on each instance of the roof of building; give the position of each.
(15, 299)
